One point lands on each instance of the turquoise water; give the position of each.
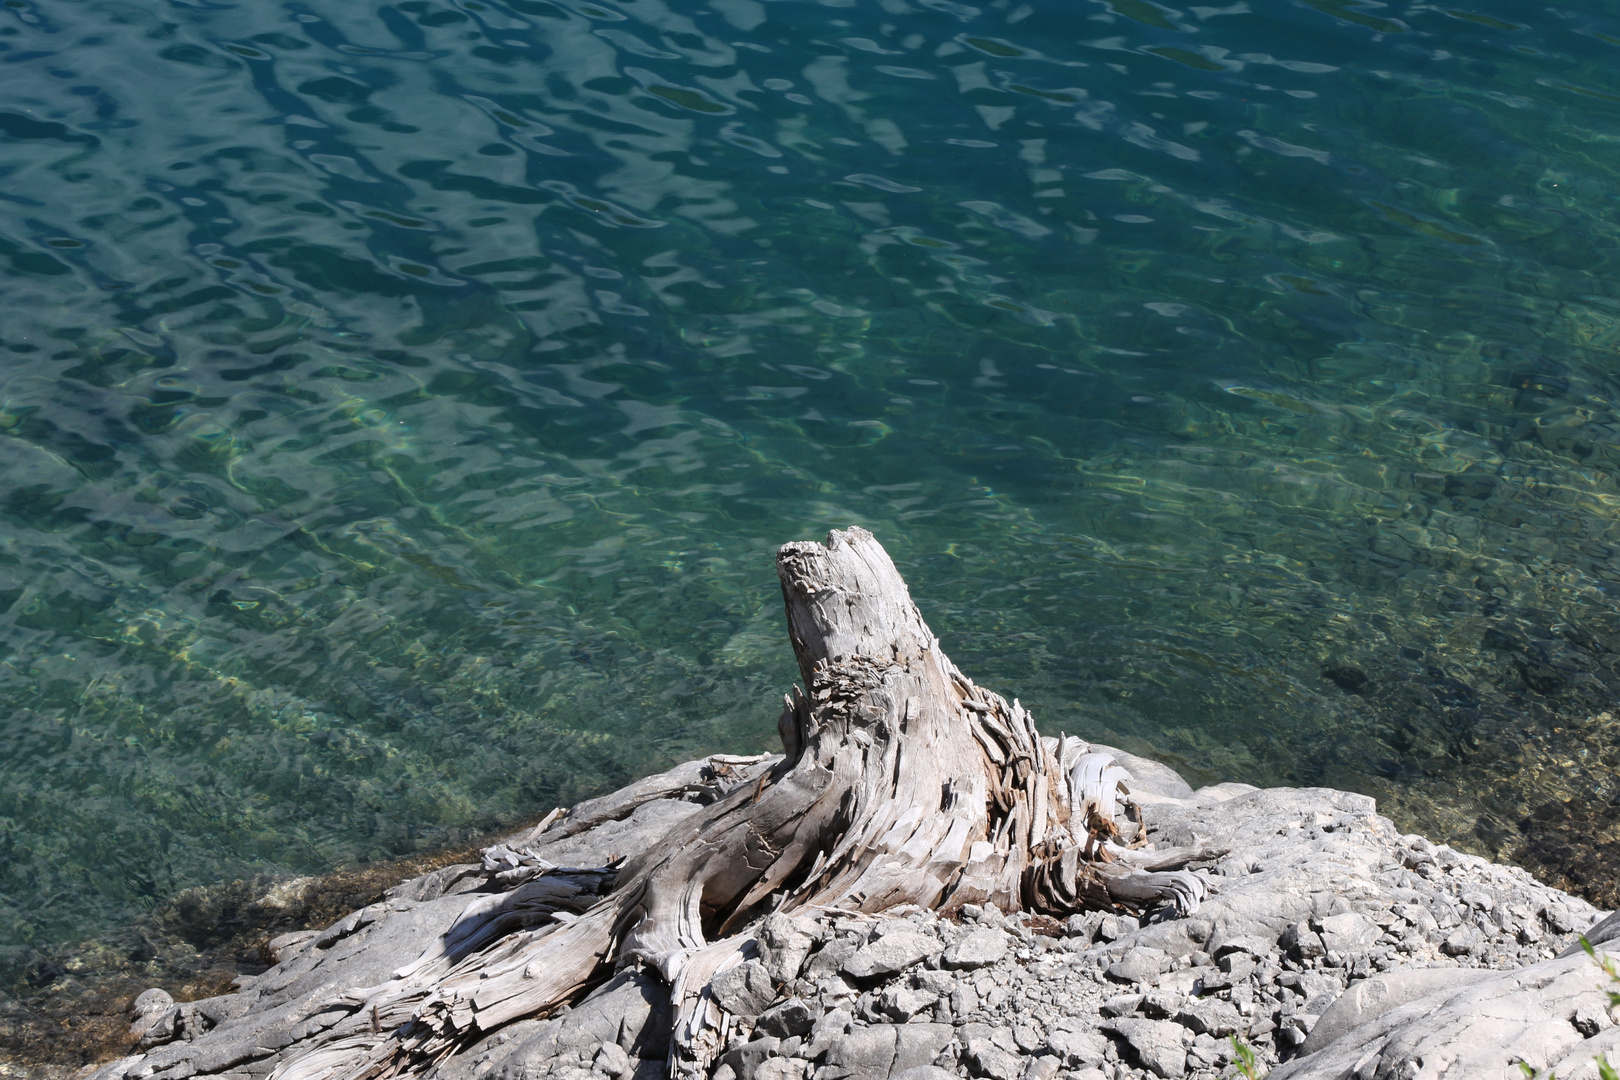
(402, 402)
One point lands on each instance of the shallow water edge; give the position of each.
(67, 1005)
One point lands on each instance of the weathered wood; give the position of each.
(903, 783)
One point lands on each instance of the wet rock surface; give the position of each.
(1316, 894)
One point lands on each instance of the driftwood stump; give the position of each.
(902, 783)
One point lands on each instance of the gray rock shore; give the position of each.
(1332, 945)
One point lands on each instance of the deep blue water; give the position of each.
(402, 402)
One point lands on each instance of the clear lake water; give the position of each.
(400, 404)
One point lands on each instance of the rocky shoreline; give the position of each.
(1331, 945)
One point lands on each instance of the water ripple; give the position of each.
(401, 401)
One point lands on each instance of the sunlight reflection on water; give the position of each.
(403, 401)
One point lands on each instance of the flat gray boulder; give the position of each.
(978, 948)
(881, 1050)
(1540, 1015)
(1369, 999)
(1158, 1044)
(1078, 1048)
(1139, 965)
(890, 954)
(1348, 933)
(987, 1060)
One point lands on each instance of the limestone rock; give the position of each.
(1479, 1031)
(1212, 1017)
(876, 1052)
(786, 1018)
(745, 990)
(986, 1059)
(1114, 927)
(1257, 947)
(286, 946)
(1121, 1005)
(1348, 933)
(901, 1003)
(920, 1044)
(1302, 943)
(1371, 998)
(1077, 1048)
(976, 949)
(890, 955)
(1581, 1062)
(746, 1059)
(1590, 1018)
(1138, 965)
(1041, 1068)
(1461, 941)
(612, 1060)
(147, 1009)
(1158, 1044)
(787, 942)
(776, 1068)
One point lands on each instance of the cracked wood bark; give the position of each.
(903, 783)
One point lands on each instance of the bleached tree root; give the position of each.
(903, 783)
